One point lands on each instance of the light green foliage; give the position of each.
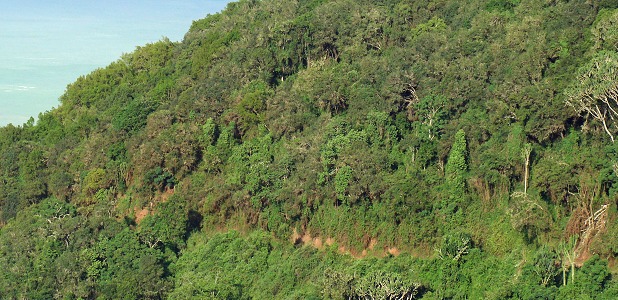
(209, 133)
(604, 30)
(456, 170)
(342, 181)
(330, 153)
(220, 267)
(435, 24)
(382, 285)
(253, 169)
(151, 58)
(382, 127)
(226, 139)
(455, 246)
(232, 266)
(94, 181)
(209, 45)
(457, 164)
(515, 143)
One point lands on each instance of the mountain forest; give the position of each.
(329, 149)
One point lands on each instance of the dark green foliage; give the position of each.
(501, 5)
(132, 116)
(252, 104)
(608, 4)
(168, 226)
(366, 127)
(590, 281)
(544, 266)
(159, 179)
(129, 268)
(60, 254)
(342, 181)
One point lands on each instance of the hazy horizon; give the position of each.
(46, 46)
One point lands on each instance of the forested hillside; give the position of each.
(316, 149)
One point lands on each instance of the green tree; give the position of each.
(130, 269)
(342, 181)
(604, 30)
(168, 225)
(456, 172)
(544, 265)
(94, 181)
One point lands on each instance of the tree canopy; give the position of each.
(329, 149)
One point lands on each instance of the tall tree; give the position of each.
(595, 92)
(456, 169)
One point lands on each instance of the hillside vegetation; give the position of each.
(315, 149)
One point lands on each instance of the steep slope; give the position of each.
(476, 135)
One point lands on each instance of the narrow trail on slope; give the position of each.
(320, 243)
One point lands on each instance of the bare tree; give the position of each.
(525, 154)
(567, 255)
(595, 92)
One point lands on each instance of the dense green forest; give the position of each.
(329, 149)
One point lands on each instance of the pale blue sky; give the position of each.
(45, 45)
